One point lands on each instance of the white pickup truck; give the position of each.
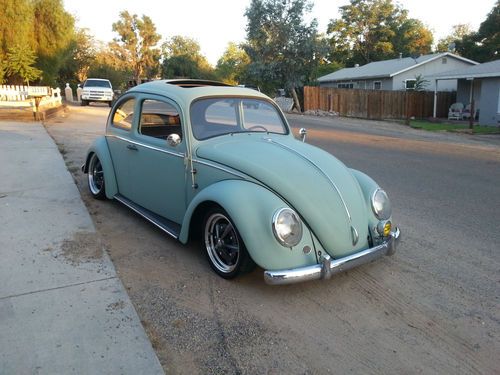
(97, 90)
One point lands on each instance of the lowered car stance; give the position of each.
(204, 159)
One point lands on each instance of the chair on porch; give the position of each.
(455, 111)
(466, 112)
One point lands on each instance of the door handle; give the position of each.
(132, 147)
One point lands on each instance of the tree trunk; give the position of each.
(296, 100)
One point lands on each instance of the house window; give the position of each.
(410, 84)
(444, 60)
(345, 85)
(377, 85)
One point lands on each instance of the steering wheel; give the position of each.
(257, 127)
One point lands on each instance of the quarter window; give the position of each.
(124, 115)
(159, 119)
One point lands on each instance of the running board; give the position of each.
(168, 226)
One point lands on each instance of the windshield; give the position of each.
(97, 83)
(219, 116)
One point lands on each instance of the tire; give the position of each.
(223, 245)
(110, 104)
(84, 103)
(95, 178)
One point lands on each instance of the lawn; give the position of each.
(458, 128)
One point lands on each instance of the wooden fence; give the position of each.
(377, 104)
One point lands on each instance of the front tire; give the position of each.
(95, 177)
(224, 247)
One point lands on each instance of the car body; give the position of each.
(97, 90)
(202, 158)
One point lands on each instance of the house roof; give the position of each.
(489, 69)
(386, 68)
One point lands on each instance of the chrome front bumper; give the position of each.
(329, 266)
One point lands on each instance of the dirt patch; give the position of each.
(84, 247)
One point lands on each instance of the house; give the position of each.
(397, 74)
(478, 84)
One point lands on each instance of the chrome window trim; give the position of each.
(318, 169)
(177, 154)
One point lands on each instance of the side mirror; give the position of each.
(303, 133)
(173, 139)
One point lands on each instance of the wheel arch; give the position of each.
(251, 208)
(100, 148)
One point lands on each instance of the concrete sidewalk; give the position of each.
(63, 310)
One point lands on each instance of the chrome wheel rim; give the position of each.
(95, 175)
(221, 242)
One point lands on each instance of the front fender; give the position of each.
(100, 147)
(251, 208)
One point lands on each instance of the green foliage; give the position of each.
(483, 45)
(135, 45)
(458, 33)
(54, 31)
(19, 67)
(182, 58)
(420, 83)
(232, 66)
(284, 50)
(106, 65)
(373, 30)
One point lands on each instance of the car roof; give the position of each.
(188, 90)
(97, 79)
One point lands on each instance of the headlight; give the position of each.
(287, 227)
(381, 205)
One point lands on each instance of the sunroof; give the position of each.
(187, 83)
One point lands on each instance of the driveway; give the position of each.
(432, 308)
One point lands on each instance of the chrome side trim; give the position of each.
(213, 165)
(329, 266)
(177, 154)
(320, 171)
(147, 217)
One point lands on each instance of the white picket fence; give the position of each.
(23, 96)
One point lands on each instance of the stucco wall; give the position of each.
(386, 83)
(432, 68)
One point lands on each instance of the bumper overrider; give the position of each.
(329, 266)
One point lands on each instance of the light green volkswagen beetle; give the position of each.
(202, 158)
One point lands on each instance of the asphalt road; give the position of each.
(432, 308)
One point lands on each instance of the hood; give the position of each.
(317, 185)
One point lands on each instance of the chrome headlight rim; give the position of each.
(298, 236)
(384, 212)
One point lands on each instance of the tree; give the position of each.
(372, 30)
(20, 61)
(283, 49)
(182, 58)
(448, 43)
(231, 67)
(484, 45)
(135, 45)
(107, 64)
(54, 31)
(16, 29)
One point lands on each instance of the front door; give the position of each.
(157, 170)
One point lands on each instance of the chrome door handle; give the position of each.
(132, 147)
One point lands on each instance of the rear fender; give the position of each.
(251, 208)
(100, 147)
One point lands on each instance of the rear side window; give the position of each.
(159, 119)
(124, 115)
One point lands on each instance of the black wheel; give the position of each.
(224, 247)
(84, 103)
(110, 103)
(96, 178)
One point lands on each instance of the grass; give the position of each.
(457, 128)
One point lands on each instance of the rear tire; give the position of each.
(95, 178)
(224, 247)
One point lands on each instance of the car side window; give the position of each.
(124, 115)
(159, 119)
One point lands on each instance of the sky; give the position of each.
(215, 23)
